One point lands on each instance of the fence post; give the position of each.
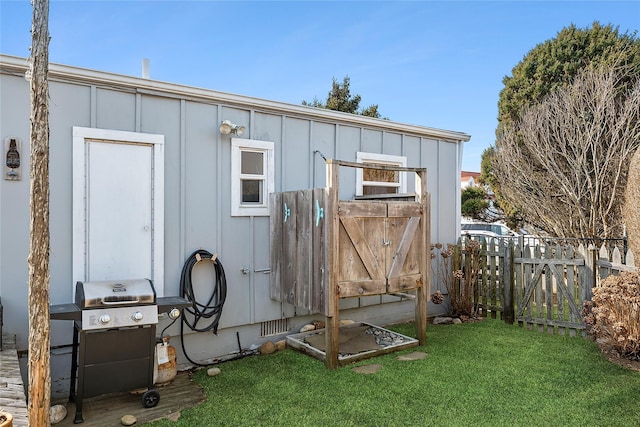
(589, 279)
(508, 314)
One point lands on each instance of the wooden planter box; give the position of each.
(323, 249)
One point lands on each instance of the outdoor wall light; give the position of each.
(226, 127)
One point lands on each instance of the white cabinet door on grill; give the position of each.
(119, 211)
(118, 199)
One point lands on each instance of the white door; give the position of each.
(118, 209)
(119, 217)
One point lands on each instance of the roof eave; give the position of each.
(66, 72)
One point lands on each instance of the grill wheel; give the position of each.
(150, 398)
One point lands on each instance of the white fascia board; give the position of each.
(16, 64)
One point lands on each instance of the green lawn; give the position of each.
(476, 374)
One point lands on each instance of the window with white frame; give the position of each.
(252, 176)
(374, 181)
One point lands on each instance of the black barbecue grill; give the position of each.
(114, 337)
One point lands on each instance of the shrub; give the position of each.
(458, 268)
(613, 314)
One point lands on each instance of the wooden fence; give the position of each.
(544, 286)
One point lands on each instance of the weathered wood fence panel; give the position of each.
(299, 248)
(490, 290)
(543, 287)
(549, 290)
(610, 262)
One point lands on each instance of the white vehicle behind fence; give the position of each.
(484, 230)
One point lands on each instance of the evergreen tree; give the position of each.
(340, 99)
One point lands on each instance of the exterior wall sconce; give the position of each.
(226, 128)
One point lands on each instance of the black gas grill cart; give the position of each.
(114, 338)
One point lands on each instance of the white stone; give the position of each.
(212, 372)
(128, 420)
(307, 328)
(442, 320)
(57, 413)
(456, 321)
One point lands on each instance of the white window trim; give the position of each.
(237, 146)
(382, 159)
(82, 136)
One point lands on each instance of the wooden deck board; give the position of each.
(12, 397)
(107, 410)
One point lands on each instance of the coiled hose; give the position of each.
(209, 311)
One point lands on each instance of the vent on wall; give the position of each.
(274, 327)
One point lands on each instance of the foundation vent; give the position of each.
(274, 327)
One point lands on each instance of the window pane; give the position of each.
(251, 191)
(252, 163)
(380, 175)
(369, 190)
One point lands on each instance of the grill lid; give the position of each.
(110, 293)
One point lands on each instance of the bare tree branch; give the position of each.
(565, 162)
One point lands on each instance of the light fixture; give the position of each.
(226, 127)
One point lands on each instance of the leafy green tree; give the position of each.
(474, 202)
(599, 55)
(340, 99)
(502, 209)
(555, 63)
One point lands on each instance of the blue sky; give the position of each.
(432, 63)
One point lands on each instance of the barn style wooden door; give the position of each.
(379, 247)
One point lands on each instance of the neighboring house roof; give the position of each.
(469, 179)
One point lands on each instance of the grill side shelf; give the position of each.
(167, 303)
(65, 312)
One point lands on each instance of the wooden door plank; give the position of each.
(401, 251)
(368, 209)
(361, 245)
(319, 272)
(404, 283)
(404, 209)
(304, 252)
(289, 247)
(275, 246)
(360, 288)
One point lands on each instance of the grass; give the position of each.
(476, 374)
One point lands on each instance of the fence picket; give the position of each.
(544, 285)
(616, 258)
(630, 259)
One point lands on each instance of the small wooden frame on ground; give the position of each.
(298, 341)
(324, 249)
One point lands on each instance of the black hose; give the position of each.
(209, 311)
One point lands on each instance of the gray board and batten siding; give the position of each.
(197, 185)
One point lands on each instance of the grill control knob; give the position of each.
(137, 316)
(104, 319)
(174, 313)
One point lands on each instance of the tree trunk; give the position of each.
(39, 323)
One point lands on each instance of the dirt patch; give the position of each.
(614, 356)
